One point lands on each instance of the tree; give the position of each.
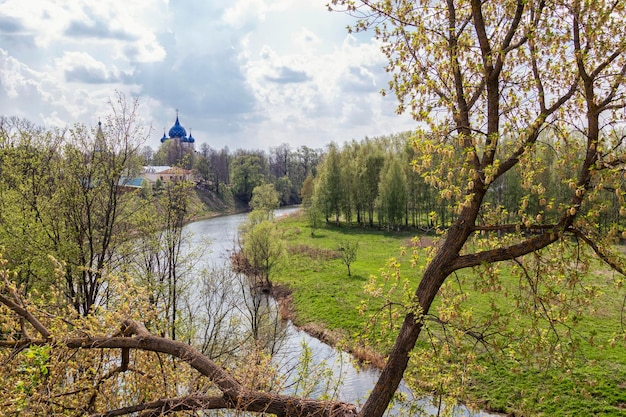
(249, 169)
(265, 197)
(348, 251)
(370, 164)
(310, 203)
(75, 198)
(489, 81)
(305, 162)
(329, 189)
(220, 162)
(501, 73)
(147, 154)
(393, 193)
(203, 167)
(173, 153)
(28, 155)
(279, 160)
(90, 366)
(175, 203)
(93, 202)
(286, 191)
(349, 197)
(263, 249)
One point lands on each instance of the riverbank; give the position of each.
(324, 300)
(206, 204)
(335, 338)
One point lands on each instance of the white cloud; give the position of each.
(246, 73)
(83, 68)
(245, 13)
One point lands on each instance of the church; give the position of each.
(178, 134)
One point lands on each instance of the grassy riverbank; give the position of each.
(325, 298)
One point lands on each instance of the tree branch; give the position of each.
(605, 258)
(505, 253)
(169, 405)
(22, 312)
(235, 396)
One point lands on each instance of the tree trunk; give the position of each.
(434, 277)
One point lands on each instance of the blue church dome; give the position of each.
(177, 131)
(190, 139)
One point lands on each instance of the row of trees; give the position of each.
(375, 182)
(488, 81)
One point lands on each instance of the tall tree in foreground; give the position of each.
(487, 78)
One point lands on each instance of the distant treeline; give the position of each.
(374, 182)
(242, 170)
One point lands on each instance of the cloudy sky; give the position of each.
(242, 73)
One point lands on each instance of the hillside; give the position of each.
(207, 203)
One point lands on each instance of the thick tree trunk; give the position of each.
(434, 277)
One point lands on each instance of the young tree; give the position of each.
(488, 78)
(265, 197)
(310, 204)
(174, 203)
(263, 249)
(348, 251)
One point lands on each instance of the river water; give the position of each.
(219, 235)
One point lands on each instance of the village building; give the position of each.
(166, 174)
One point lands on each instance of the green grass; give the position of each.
(593, 383)
(322, 290)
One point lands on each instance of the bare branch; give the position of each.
(594, 246)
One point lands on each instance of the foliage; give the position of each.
(329, 193)
(310, 203)
(68, 364)
(264, 249)
(519, 152)
(94, 266)
(174, 153)
(248, 172)
(265, 197)
(393, 194)
(69, 187)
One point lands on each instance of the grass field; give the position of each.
(591, 382)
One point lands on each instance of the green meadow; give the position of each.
(590, 381)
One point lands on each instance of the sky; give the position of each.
(249, 74)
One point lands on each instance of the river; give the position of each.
(354, 384)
